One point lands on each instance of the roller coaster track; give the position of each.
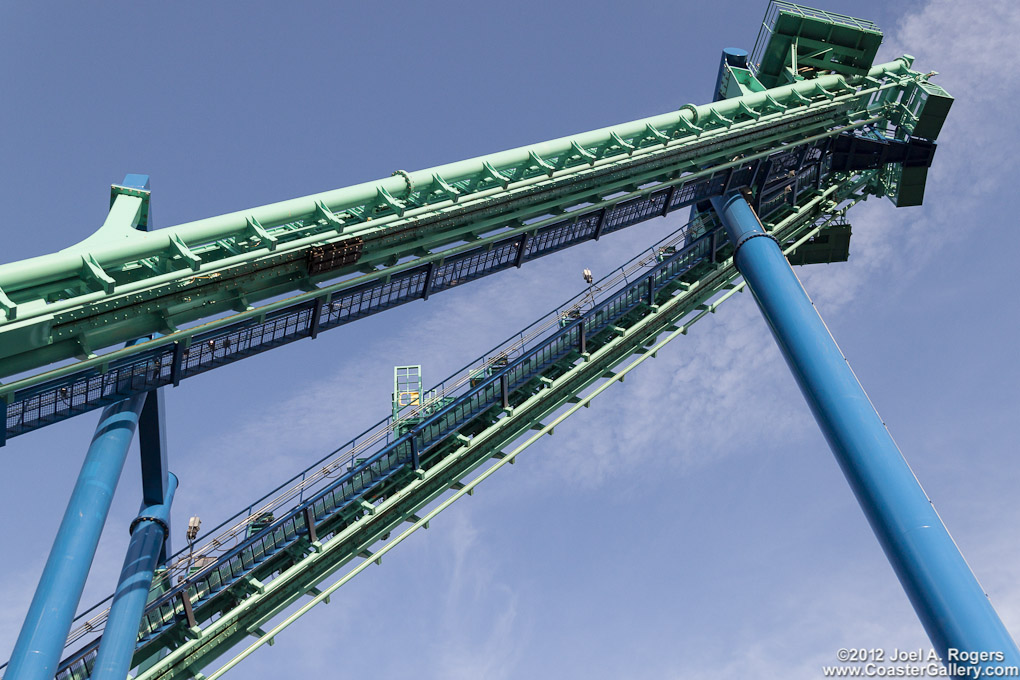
(355, 256)
(343, 507)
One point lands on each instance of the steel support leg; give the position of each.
(153, 453)
(945, 594)
(148, 533)
(37, 651)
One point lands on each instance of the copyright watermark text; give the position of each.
(919, 663)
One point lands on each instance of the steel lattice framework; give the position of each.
(804, 134)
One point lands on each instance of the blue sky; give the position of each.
(692, 523)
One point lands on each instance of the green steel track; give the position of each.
(123, 283)
(428, 248)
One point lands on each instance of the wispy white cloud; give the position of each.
(669, 407)
(976, 156)
(479, 627)
(803, 635)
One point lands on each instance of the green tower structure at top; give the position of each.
(797, 41)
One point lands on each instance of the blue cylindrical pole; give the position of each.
(148, 532)
(41, 641)
(945, 594)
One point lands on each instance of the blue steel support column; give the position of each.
(37, 651)
(945, 594)
(148, 534)
(41, 641)
(153, 454)
(152, 423)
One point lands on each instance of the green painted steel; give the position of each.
(928, 105)
(407, 388)
(741, 81)
(797, 42)
(123, 283)
(420, 499)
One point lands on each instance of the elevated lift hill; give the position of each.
(800, 130)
